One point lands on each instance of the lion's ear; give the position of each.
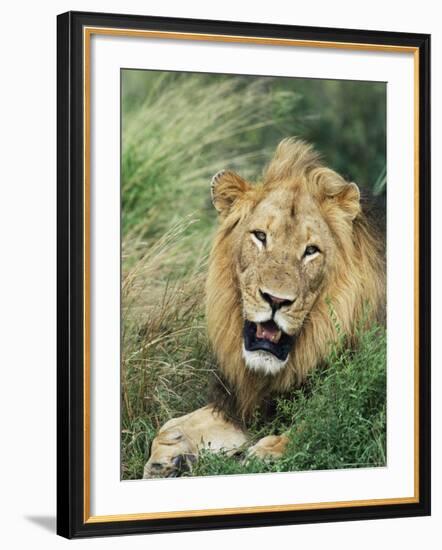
(226, 188)
(345, 194)
(349, 199)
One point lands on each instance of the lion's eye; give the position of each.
(260, 235)
(310, 250)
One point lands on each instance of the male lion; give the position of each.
(287, 252)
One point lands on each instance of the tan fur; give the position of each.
(351, 275)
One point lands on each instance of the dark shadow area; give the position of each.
(48, 523)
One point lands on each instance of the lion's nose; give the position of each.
(275, 301)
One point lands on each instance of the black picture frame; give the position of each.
(71, 519)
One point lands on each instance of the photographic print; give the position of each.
(243, 274)
(253, 274)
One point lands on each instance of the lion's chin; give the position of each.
(263, 361)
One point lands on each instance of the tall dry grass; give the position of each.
(166, 359)
(182, 131)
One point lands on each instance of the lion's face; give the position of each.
(280, 238)
(285, 249)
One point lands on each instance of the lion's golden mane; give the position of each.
(356, 287)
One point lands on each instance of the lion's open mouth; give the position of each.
(269, 337)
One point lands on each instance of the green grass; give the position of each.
(337, 420)
(178, 130)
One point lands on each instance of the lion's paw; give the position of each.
(271, 446)
(172, 454)
(169, 467)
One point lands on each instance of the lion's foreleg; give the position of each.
(177, 445)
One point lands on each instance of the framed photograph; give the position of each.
(243, 274)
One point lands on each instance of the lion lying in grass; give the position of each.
(287, 252)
